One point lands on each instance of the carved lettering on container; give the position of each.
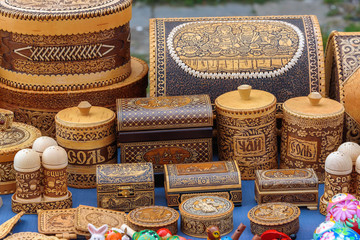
(304, 150)
(249, 145)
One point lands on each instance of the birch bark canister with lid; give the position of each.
(247, 129)
(88, 135)
(312, 129)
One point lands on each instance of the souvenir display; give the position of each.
(59, 221)
(40, 107)
(312, 129)
(353, 150)
(200, 212)
(338, 168)
(297, 186)
(153, 218)
(347, 212)
(220, 178)
(246, 126)
(88, 135)
(125, 186)
(342, 78)
(97, 217)
(280, 216)
(54, 162)
(163, 130)
(15, 137)
(214, 55)
(7, 226)
(30, 236)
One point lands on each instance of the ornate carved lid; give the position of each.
(42, 16)
(84, 115)
(245, 101)
(20, 136)
(56, 221)
(273, 214)
(153, 216)
(206, 207)
(308, 107)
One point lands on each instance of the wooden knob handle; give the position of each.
(6, 119)
(314, 98)
(84, 108)
(244, 91)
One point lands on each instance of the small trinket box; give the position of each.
(220, 178)
(125, 186)
(280, 216)
(153, 218)
(164, 130)
(297, 186)
(200, 212)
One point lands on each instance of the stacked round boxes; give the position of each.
(56, 55)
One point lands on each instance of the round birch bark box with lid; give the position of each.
(14, 137)
(246, 124)
(312, 129)
(88, 135)
(200, 212)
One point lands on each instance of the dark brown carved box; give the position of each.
(125, 186)
(220, 178)
(162, 130)
(279, 54)
(296, 186)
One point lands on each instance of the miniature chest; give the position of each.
(220, 178)
(200, 212)
(296, 186)
(14, 136)
(280, 216)
(207, 55)
(312, 129)
(125, 186)
(88, 135)
(163, 130)
(153, 218)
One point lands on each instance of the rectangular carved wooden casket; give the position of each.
(343, 78)
(176, 129)
(220, 178)
(279, 54)
(125, 186)
(296, 186)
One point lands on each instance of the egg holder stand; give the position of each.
(32, 207)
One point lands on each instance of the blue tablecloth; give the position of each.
(308, 219)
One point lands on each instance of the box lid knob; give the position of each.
(244, 91)
(314, 98)
(84, 108)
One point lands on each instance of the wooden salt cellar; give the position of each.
(200, 212)
(246, 127)
(338, 168)
(312, 128)
(87, 133)
(280, 216)
(153, 218)
(14, 136)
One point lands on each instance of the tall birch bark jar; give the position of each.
(246, 124)
(88, 135)
(312, 129)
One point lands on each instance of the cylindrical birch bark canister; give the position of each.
(14, 136)
(88, 135)
(246, 125)
(338, 168)
(54, 162)
(27, 166)
(312, 129)
(353, 150)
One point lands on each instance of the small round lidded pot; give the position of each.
(312, 129)
(88, 135)
(200, 212)
(246, 127)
